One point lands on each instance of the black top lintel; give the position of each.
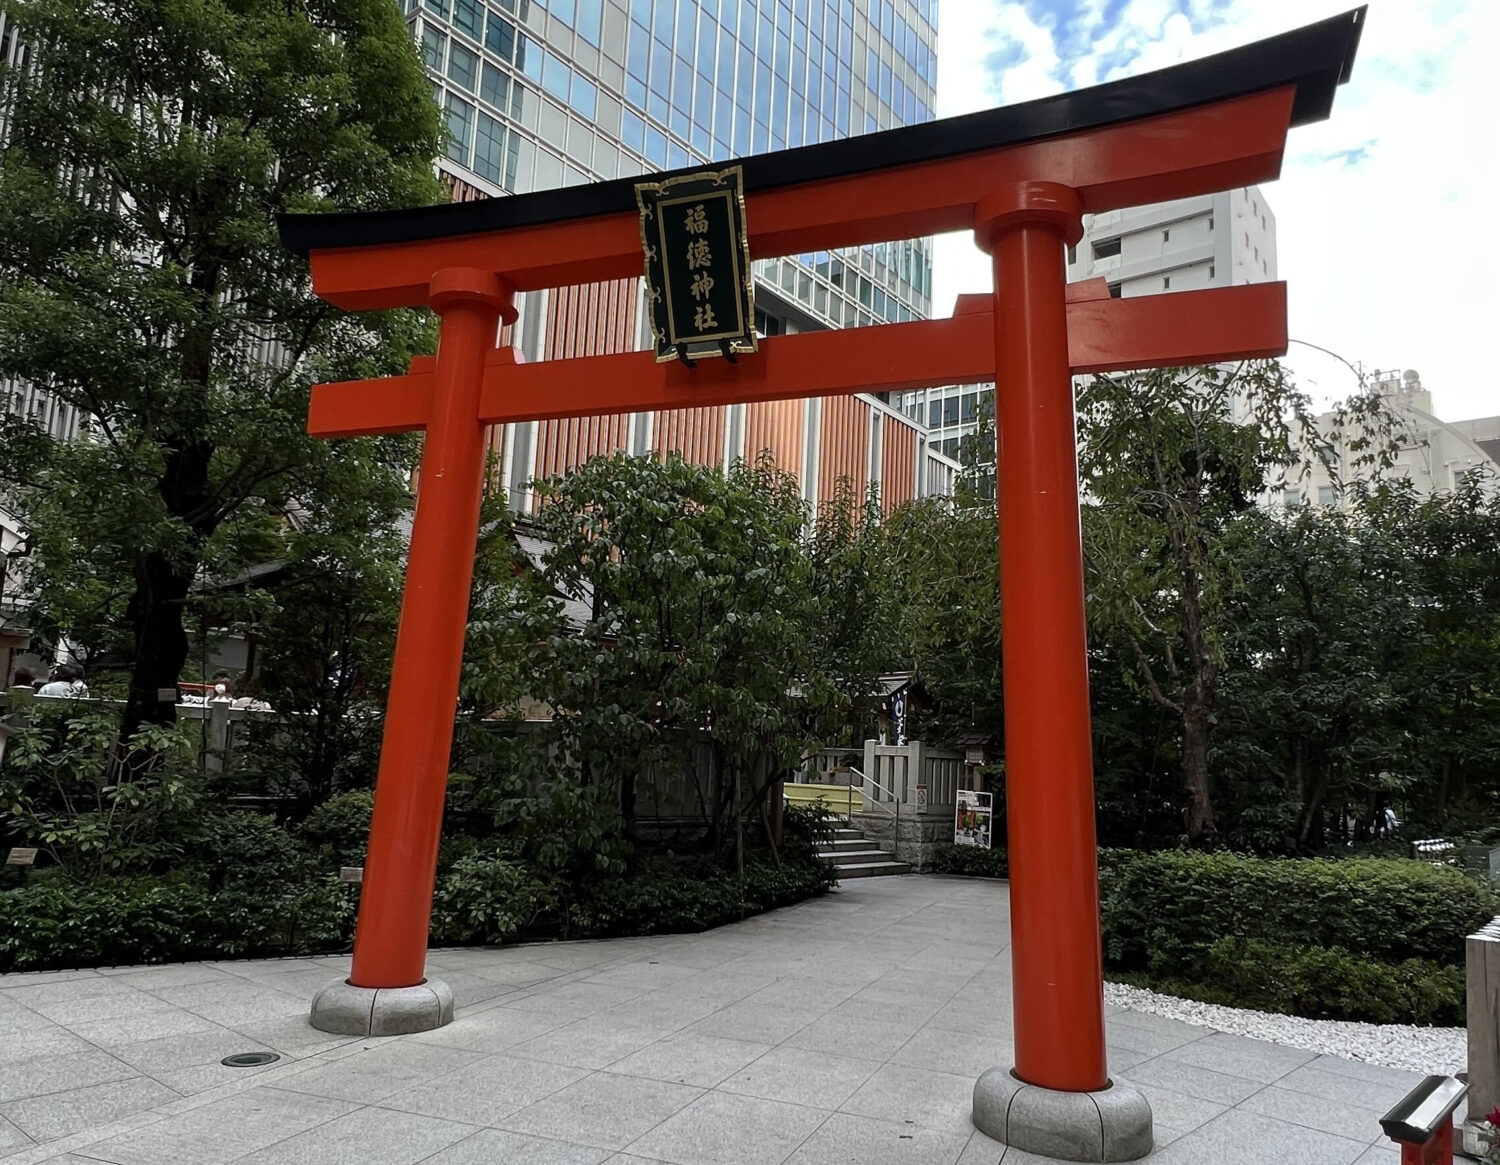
(1316, 59)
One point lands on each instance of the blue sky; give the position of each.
(1386, 213)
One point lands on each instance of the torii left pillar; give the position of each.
(386, 992)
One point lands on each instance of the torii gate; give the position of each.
(1020, 177)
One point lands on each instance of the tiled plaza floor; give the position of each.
(844, 1031)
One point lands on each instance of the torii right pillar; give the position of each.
(1058, 1100)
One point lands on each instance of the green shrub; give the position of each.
(97, 813)
(672, 903)
(245, 850)
(971, 860)
(483, 898)
(1163, 911)
(337, 832)
(806, 830)
(1330, 983)
(488, 899)
(129, 921)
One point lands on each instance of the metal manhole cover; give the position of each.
(249, 1059)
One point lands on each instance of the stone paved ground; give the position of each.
(844, 1031)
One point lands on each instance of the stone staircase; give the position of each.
(853, 855)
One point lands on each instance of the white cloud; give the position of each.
(1385, 212)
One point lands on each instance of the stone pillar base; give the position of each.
(1113, 1124)
(347, 1010)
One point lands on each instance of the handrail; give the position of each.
(864, 780)
(895, 814)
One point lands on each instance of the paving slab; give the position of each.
(603, 1110)
(720, 1128)
(848, 1029)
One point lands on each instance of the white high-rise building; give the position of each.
(1214, 240)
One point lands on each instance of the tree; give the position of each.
(1321, 635)
(706, 616)
(945, 554)
(853, 628)
(1165, 472)
(148, 148)
(327, 623)
(1453, 545)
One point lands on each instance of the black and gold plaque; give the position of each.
(698, 283)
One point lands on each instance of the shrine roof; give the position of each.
(1316, 59)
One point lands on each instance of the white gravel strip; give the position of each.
(1396, 1045)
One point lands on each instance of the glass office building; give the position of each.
(543, 95)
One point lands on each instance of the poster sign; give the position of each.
(921, 798)
(698, 277)
(21, 856)
(971, 821)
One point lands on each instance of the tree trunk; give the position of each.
(1199, 813)
(162, 584)
(627, 799)
(161, 643)
(1314, 789)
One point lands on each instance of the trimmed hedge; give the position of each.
(1163, 911)
(1329, 983)
(1373, 939)
(971, 861)
(56, 924)
(127, 922)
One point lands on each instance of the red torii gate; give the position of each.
(1020, 177)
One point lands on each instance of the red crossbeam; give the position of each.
(1190, 327)
(1196, 151)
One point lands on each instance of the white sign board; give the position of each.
(921, 798)
(20, 856)
(971, 820)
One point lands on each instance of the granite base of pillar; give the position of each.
(1113, 1124)
(347, 1010)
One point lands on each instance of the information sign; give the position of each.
(971, 821)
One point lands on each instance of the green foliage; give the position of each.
(666, 903)
(149, 147)
(240, 850)
(484, 897)
(806, 830)
(96, 807)
(125, 922)
(326, 625)
(705, 618)
(944, 560)
(971, 860)
(487, 899)
(337, 832)
(1167, 473)
(1332, 983)
(1163, 911)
